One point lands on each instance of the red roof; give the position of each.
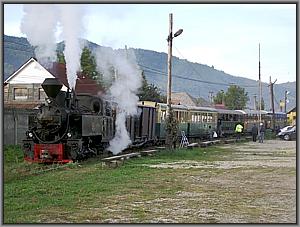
(83, 84)
(220, 106)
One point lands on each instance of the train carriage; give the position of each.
(227, 120)
(141, 127)
(202, 122)
(280, 120)
(195, 122)
(251, 117)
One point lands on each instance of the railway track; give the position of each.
(117, 160)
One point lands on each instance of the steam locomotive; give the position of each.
(68, 126)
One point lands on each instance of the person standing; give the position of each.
(254, 132)
(262, 130)
(238, 130)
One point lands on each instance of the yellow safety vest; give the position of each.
(239, 128)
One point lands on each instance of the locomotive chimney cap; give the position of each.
(51, 87)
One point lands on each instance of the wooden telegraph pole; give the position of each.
(259, 86)
(211, 97)
(169, 88)
(285, 100)
(272, 102)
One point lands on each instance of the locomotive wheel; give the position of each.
(74, 154)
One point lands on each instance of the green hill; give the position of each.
(195, 78)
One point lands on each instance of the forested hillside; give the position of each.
(195, 78)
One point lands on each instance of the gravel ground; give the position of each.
(255, 184)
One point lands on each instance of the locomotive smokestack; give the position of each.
(51, 87)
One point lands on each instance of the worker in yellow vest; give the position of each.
(238, 130)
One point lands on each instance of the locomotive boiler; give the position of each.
(68, 126)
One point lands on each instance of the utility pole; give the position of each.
(169, 87)
(126, 52)
(272, 102)
(259, 85)
(211, 97)
(285, 100)
(254, 101)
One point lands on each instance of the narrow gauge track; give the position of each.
(113, 161)
(117, 160)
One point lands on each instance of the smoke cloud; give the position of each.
(71, 20)
(39, 24)
(126, 82)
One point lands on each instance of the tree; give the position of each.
(61, 57)
(171, 130)
(219, 98)
(89, 66)
(149, 92)
(236, 98)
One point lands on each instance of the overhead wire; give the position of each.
(152, 70)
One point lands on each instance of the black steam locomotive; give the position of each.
(68, 126)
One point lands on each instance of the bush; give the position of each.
(270, 134)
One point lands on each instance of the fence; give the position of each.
(15, 125)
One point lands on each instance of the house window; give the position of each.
(20, 93)
(42, 94)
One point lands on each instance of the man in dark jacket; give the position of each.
(254, 132)
(262, 130)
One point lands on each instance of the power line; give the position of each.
(190, 79)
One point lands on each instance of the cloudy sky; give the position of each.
(226, 36)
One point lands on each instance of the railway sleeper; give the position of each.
(149, 152)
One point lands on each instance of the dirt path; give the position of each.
(255, 184)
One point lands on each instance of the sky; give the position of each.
(226, 36)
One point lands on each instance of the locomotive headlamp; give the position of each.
(69, 134)
(48, 101)
(30, 134)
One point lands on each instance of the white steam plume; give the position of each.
(123, 90)
(39, 25)
(71, 20)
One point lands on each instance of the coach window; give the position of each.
(203, 118)
(177, 115)
(20, 93)
(214, 117)
(183, 117)
(209, 117)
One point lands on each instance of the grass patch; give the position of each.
(32, 194)
(13, 154)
